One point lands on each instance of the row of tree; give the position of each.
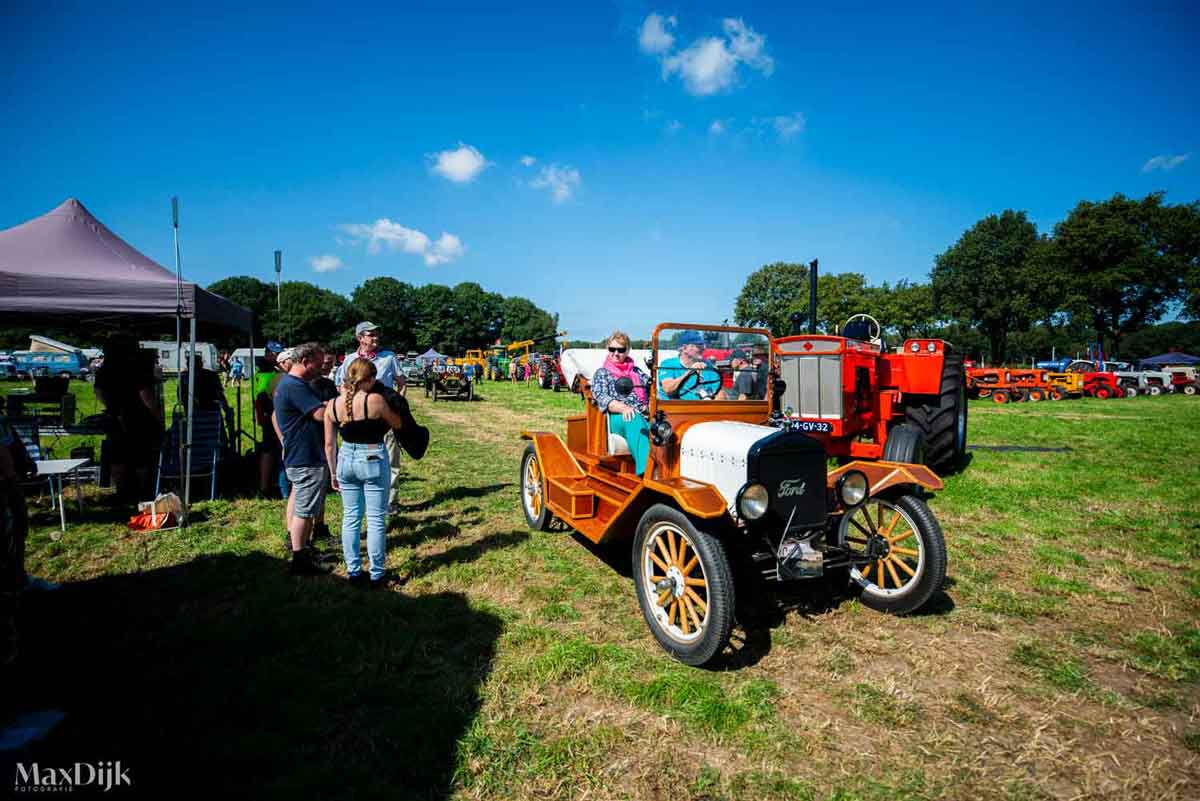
(448, 319)
(1004, 292)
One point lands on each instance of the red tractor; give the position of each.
(863, 401)
(1096, 383)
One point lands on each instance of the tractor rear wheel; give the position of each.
(942, 419)
(1017, 396)
(904, 444)
(1036, 395)
(1056, 394)
(1103, 393)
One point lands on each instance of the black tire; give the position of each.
(533, 491)
(673, 623)
(904, 443)
(918, 549)
(942, 419)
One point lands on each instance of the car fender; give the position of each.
(882, 475)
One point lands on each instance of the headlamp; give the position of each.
(852, 487)
(752, 501)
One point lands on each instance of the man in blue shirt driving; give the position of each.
(687, 376)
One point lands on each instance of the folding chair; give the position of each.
(29, 430)
(207, 441)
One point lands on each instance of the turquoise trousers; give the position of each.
(637, 433)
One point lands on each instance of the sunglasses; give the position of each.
(617, 350)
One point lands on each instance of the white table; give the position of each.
(54, 470)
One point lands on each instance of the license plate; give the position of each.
(814, 426)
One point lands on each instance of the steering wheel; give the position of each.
(874, 329)
(693, 381)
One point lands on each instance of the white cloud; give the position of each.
(460, 165)
(717, 128)
(710, 64)
(1165, 163)
(786, 126)
(560, 180)
(653, 37)
(325, 263)
(707, 67)
(384, 232)
(528, 161)
(748, 45)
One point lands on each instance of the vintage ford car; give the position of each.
(730, 493)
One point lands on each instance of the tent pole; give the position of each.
(191, 405)
(253, 411)
(178, 305)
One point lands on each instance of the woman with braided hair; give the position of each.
(360, 467)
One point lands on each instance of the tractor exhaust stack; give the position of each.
(812, 297)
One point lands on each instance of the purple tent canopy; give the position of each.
(67, 264)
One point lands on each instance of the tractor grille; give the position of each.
(814, 386)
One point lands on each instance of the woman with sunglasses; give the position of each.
(626, 410)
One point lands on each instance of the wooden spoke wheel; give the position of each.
(904, 552)
(684, 585)
(533, 491)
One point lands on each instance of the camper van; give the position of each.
(206, 355)
(30, 364)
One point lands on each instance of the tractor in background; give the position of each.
(864, 401)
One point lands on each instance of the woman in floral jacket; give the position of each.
(626, 411)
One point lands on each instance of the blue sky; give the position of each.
(671, 156)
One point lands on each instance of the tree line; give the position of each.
(448, 319)
(1110, 273)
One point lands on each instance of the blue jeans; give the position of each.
(636, 433)
(363, 473)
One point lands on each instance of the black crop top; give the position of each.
(365, 432)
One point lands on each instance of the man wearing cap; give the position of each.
(745, 383)
(687, 376)
(388, 372)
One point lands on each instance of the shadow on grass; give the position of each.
(468, 552)
(226, 675)
(453, 494)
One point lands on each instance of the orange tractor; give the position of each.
(861, 400)
(1012, 384)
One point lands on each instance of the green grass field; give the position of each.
(1063, 662)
